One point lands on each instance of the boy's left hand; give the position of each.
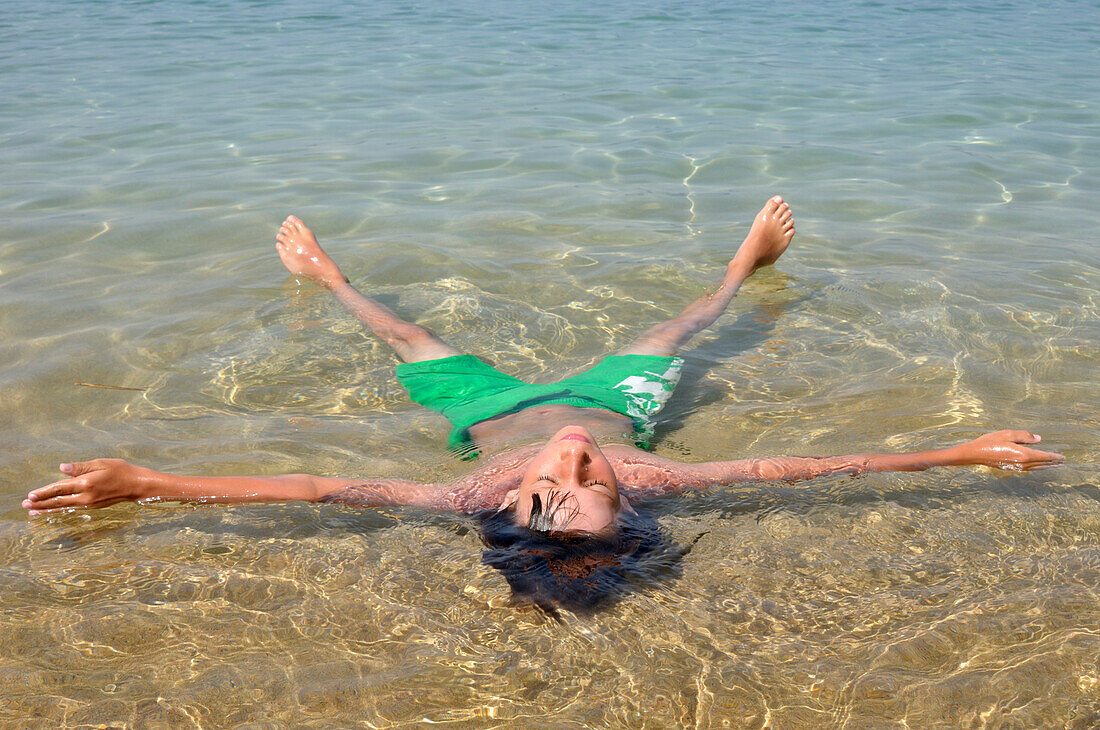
(90, 485)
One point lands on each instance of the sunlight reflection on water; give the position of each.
(538, 185)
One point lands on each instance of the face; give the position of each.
(572, 465)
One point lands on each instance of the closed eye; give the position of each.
(555, 482)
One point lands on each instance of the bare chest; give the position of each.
(544, 421)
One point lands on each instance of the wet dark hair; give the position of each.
(579, 571)
(542, 518)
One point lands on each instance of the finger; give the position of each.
(1043, 458)
(65, 486)
(36, 512)
(65, 501)
(1036, 453)
(1024, 437)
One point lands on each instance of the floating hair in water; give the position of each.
(576, 570)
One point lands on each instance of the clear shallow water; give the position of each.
(538, 186)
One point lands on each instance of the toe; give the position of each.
(772, 204)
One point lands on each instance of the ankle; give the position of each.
(332, 283)
(738, 270)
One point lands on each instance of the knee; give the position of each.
(412, 335)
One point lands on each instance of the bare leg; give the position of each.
(303, 256)
(771, 233)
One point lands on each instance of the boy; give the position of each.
(583, 478)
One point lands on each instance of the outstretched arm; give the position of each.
(1001, 449)
(103, 482)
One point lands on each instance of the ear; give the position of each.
(509, 499)
(625, 506)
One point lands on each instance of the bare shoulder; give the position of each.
(485, 487)
(642, 474)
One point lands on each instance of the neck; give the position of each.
(540, 422)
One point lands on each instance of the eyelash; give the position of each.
(549, 478)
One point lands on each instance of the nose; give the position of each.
(575, 458)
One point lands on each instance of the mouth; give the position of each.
(576, 437)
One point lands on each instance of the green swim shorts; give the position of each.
(467, 391)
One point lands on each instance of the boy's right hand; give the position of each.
(1009, 449)
(90, 485)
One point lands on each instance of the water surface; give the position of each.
(538, 185)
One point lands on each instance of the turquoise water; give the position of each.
(539, 184)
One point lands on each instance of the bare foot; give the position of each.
(771, 233)
(302, 255)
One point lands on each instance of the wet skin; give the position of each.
(591, 478)
(514, 475)
(572, 466)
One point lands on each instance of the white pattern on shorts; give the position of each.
(647, 394)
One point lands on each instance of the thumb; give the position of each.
(75, 469)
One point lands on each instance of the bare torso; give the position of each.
(544, 420)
